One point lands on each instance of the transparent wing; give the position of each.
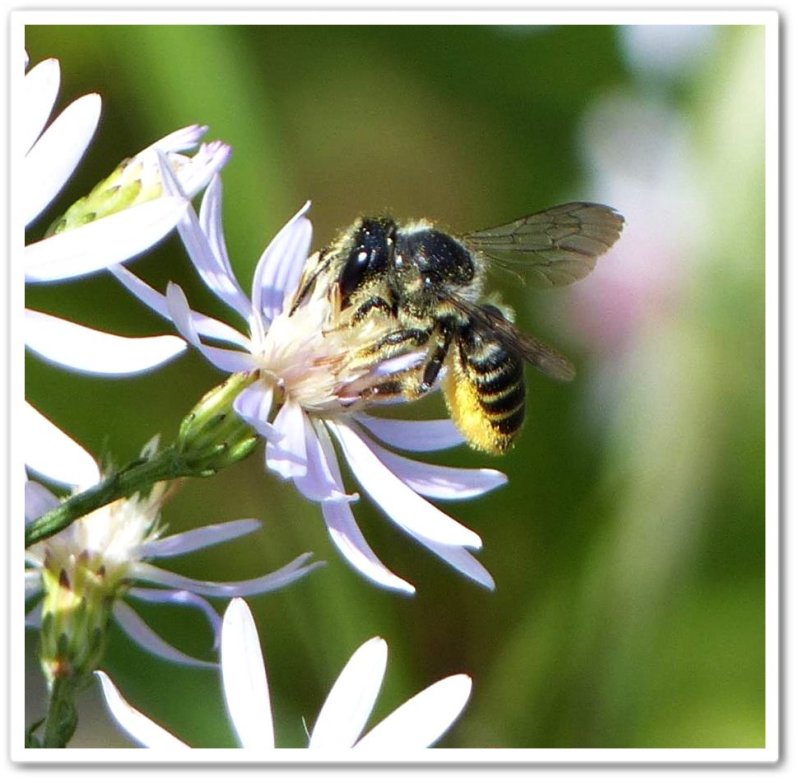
(491, 322)
(554, 247)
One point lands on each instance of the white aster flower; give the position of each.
(86, 573)
(123, 217)
(302, 400)
(416, 724)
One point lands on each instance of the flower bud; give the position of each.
(212, 436)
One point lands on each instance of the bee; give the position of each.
(429, 285)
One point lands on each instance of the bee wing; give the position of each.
(491, 322)
(554, 247)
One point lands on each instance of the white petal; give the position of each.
(38, 500)
(423, 719)
(191, 175)
(401, 504)
(349, 540)
(205, 325)
(459, 558)
(198, 538)
(214, 266)
(275, 580)
(437, 481)
(254, 405)
(244, 678)
(182, 316)
(134, 723)
(319, 482)
(350, 701)
(51, 453)
(345, 533)
(145, 637)
(33, 619)
(180, 140)
(50, 162)
(206, 162)
(41, 90)
(414, 435)
(183, 598)
(87, 350)
(287, 457)
(103, 242)
(204, 244)
(280, 266)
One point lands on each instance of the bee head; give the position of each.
(370, 253)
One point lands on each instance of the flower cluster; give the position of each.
(86, 575)
(301, 398)
(295, 378)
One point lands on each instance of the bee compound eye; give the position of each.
(370, 254)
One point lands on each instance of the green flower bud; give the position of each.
(133, 182)
(213, 436)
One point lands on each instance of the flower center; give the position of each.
(315, 354)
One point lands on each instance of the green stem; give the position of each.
(136, 476)
(210, 438)
(62, 717)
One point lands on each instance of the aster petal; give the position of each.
(50, 162)
(401, 504)
(33, 586)
(134, 723)
(186, 177)
(33, 619)
(196, 173)
(102, 243)
(352, 698)
(430, 435)
(287, 457)
(205, 243)
(145, 637)
(212, 261)
(80, 348)
(182, 597)
(423, 719)
(51, 453)
(459, 558)
(319, 482)
(289, 573)
(180, 140)
(280, 266)
(38, 500)
(198, 538)
(439, 481)
(244, 678)
(348, 539)
(254, 405)
(223, 358)
(205, 325)
(41, 89)
(347, 536)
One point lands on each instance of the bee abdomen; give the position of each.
(485, 391)
(499, 382)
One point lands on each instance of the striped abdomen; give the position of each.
(485, 390)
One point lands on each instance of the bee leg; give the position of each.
(398, 342)
(433, 367)
(372, 303)
(402, 384)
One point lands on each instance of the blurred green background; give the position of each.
(628, 547)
